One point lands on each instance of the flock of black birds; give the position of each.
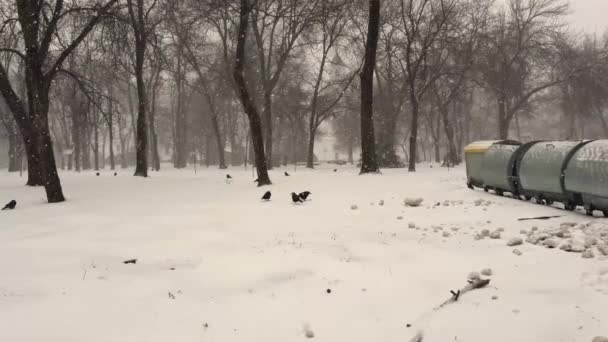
(295, 198)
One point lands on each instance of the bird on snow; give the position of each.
(287, 174)
(10, 205)
(97, 174)
(335, 170)
(266, 196)
(295, 198)
(228, 177)
(304, 195)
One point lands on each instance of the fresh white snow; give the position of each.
(217, 264)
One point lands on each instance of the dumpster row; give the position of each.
(574, 173)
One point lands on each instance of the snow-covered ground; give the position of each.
(214, 263)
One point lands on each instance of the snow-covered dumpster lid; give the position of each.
(483, 145)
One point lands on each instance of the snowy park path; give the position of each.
(214, 263)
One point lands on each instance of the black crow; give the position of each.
(287, 174)
(115, 173)
(11, 205)
(304, 195)
(295, 198)
(97, 174)
(266, 196)
(228, 177)
(335, 170)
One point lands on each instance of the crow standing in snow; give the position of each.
(10, 205)
(287, 174)
(228, 177)
(295, 198)
(266, 196)
(304, 195)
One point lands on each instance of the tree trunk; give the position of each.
(413, 131)
(452, 157)
(310, 157)
(218, 141)
(503, 123)
(96, 145)
(255, 124)
(268, 128)
(15, 148)
(155, 156)
(368, 148)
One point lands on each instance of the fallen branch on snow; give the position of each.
(473, 284)
(539, 218)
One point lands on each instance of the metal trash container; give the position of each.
(474, 155)
(497, 168)
(541, 169)
(586, 176)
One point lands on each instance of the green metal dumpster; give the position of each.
(496, 168)
(474, 155)
(541, 170)
(586, 175)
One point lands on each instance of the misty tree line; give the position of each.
(94, 84)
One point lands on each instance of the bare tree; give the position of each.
(39, 22)
(520, 39)
(255, 124)
(368, 143)
(423, 22)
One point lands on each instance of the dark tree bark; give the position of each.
(138, 22)
(40, 72)
(255, 124)
(368, 148)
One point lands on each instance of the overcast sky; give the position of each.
(590, 15)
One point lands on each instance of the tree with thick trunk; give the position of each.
(139, 15)
(255, 124)
(38, 32)
(368, 143)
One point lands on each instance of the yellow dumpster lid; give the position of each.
(480, 146)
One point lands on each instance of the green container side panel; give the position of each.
(541, 166)
(474, 163)
(587, 172)
(495, 167)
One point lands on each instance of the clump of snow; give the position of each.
(494, 297)
(572, 246)
(588, 254)
(487, 272)
(411, 225)
(413, 202)
(485, 232)
(516, 241)
(446, 234)
(474, 276)
(308, 331)
(523, 231)
(590, 241)
(603, 248)
(517, 252)
(354, 207)
(537, 238)
(495, 234)
(550, 243)
(600, 339)
(399, 217)
(381, 202)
